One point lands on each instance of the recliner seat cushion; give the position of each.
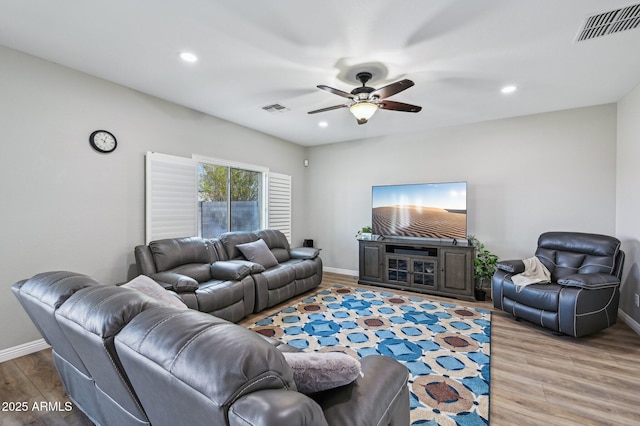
(215, 295)
(540, 296)
(303, 268)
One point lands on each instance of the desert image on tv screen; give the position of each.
(421, 210)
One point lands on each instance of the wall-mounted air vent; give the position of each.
(613, 21)
(275, 108)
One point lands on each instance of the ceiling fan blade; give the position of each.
(335, 91)
(399, 106)
(328, 108)
(392, 89)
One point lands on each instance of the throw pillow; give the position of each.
(258, 252)
(318, 371)
(146, 285)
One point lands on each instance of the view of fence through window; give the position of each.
(228, 199)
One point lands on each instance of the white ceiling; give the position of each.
(254, 53)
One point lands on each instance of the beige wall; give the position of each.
(66, 207)
(526, 175)
(628, 198)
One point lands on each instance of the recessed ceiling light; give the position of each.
(509, 89)
(323, 124)
(188, 57)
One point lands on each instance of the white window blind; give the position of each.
(171, 197)
(279, 203)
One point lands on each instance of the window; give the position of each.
(202, 196)
(229, 199)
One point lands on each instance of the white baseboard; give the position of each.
(22, 350)
(341, 271)
(629, 321)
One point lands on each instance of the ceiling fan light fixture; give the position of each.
(188, 57)
(363, 111)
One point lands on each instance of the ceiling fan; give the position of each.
(365, 101)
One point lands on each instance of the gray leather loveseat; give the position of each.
(126, 359)
(583, 293)
(216, 277)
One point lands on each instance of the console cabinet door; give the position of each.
(371, 261)
(456, 271)
(398, 269)
(424, 272)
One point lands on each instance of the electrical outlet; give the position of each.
(637, 300)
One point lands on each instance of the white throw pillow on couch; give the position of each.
(146, 285)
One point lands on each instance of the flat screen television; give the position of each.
(426, 210)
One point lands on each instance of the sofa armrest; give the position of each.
(304, 253)
(276, 407)
(229, 271)
(512, 266)
(590, 281)
(254, 268)
(176, 282)
(379, 397)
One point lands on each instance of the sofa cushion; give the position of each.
(258, 252)
(200, 272)
(146, 285)
(279, 276)
(316, 371)
(303, 268)
(230, 241)
(172, 252)
(277, 243)
(544, 297)
(568, 253)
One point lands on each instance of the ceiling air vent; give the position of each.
(275, 108)
(613, 21)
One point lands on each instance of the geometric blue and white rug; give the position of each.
(445, 347)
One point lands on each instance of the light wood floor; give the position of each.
(537, 378)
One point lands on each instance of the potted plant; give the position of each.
(364, 233)
(484, 267)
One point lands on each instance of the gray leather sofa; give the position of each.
(298, 269)
(126, 359)
(583, 295)
(191, 267)
(213, 276)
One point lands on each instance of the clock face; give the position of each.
(103, 141)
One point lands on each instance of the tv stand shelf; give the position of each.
(433, 267)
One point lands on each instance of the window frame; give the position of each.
(263, 195)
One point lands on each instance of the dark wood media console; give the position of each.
(440, 268)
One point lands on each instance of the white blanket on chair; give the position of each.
(534, 272)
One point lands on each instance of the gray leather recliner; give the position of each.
(160, 365)
(583, 295)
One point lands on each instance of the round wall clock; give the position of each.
(103, 141)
